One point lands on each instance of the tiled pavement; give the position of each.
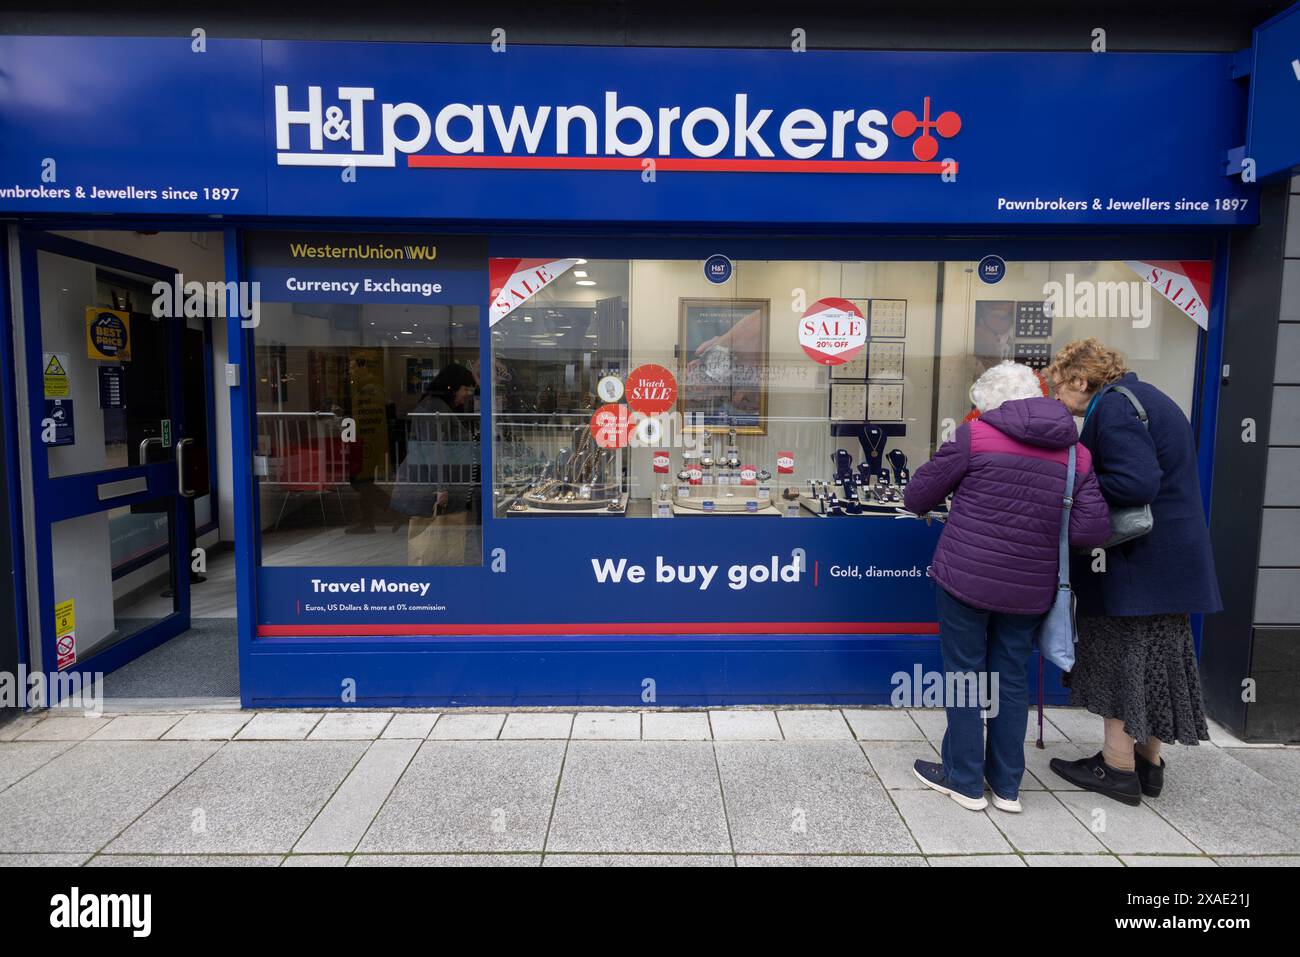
(727, 787)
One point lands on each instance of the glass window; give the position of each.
(790, 388)
(368, 434)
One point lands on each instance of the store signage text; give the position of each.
(611, 135)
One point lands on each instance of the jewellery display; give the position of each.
(869, 489)
(582, 477)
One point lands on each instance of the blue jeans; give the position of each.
(974, 640)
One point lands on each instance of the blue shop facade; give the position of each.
(562, 375)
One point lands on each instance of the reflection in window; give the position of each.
(368, 427)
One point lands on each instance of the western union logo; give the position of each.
(409, 253)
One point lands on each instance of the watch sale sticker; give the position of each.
(832, 331)
(651, 389)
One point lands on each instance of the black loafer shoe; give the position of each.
(1094, 774)
(1150, 776)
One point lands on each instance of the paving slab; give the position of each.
(208, 726)
(932, 722)
(744, 726)
(941, 826)
(1124, 829)
(252, 797)
(70, 727)
(467, 796)
(1279, 765)
(830, 860)
(1226, 807)
(814, 725)
(976, 860)
(467, 727)
(1072, 860)
(137, 727)
(607, 726)
(19, 725)
(315, 860)
(638, 860)
(892, 761)
(639, 797)
(83, 798)
(1078, 724)
(279, 726)
(1280, 860)
(882, 724)
(676, 726)
(1161, 860)
(410, 725)
(1039, 775)
(445, 860)
(21, 758)
(1044, 825)
(184, 860)
(807, 797)
(345, 818)
(537, 726)
(43, 860)
(351, 726)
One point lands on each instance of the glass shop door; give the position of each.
(111, 457)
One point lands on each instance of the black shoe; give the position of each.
(1151, 776)
(1094, 774)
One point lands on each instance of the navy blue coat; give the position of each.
(1171, 569)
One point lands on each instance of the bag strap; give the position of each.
(1063, 566)
(1137, 406)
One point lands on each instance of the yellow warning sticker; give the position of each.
(65, 616)
(57, 384)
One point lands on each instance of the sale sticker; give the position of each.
(748, 475)
(610, 426)
(832, 331)
(660, 460)
(784, 463)
(651, 389)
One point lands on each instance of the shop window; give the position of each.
(683, 388)
(368, 434)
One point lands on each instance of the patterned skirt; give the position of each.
(1141, 669)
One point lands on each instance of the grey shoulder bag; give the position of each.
(1132, 521)
(1056, 632)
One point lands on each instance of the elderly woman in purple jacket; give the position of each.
(995, 568)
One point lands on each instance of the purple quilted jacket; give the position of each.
(998, 549)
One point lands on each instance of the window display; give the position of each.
(644, 388)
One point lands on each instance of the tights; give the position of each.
(1118, 748)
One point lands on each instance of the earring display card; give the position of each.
(1033, 320)
(1036, 355)
(886, 359)
(884, 402)
(848, 402)
(888, 318)
(855, 368)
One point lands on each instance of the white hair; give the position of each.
(1004, 382)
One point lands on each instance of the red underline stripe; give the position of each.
(606, 628)
(671, 165)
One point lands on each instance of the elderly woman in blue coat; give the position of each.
(1136, 664)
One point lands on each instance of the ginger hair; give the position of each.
(1088, 359)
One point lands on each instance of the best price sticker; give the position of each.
(832, 331)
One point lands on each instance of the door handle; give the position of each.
(144, 448)
(181, 445)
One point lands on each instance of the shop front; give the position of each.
(572, 375)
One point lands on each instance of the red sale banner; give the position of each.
(651, 389)
(832, 331)
(660, 460)
(610, 426)
(512, 282)
(784, 463)
(748, 475)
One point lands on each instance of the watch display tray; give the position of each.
(816, 506)
(570, 509)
